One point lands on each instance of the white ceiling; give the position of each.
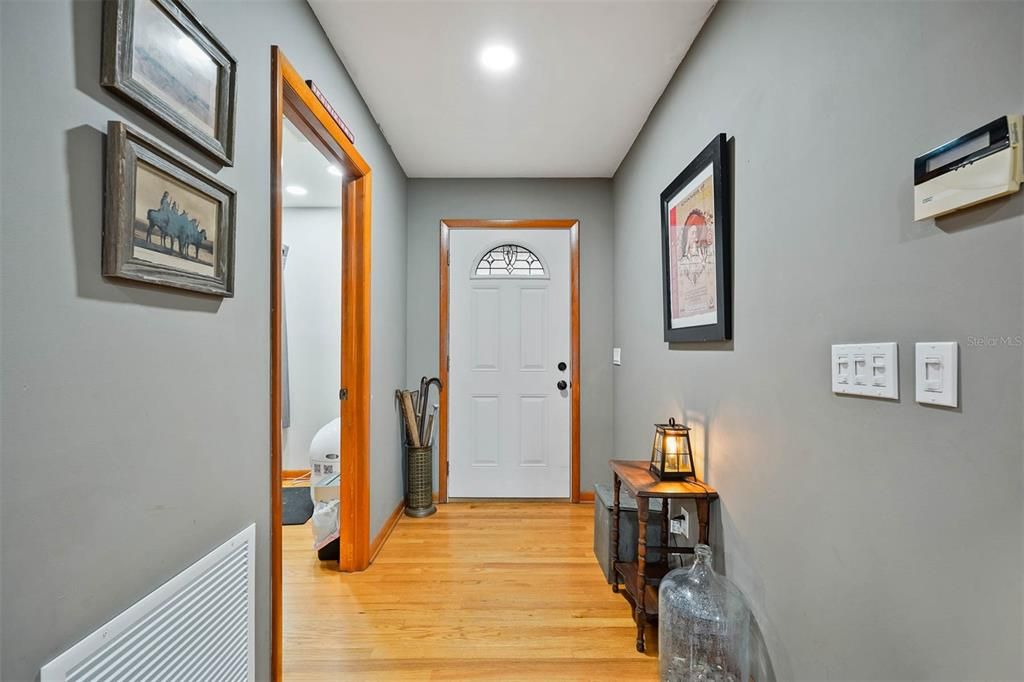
(588, 75)
(303, 165)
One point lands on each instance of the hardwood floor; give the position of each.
(479, 591)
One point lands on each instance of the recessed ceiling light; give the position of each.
(334, 170)
(498, 58)
(296, 190)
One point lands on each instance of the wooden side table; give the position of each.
(640, 578)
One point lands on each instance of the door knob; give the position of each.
(562, 366)
(562, 385)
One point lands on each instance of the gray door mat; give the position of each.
(296, 506)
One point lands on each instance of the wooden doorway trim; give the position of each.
(573, 226)
(291, 96)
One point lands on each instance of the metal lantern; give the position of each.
(671, 456)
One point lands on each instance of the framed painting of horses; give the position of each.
(168, 222)
(696, 225)
(160, 57)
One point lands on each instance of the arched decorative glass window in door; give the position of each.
(510, 260)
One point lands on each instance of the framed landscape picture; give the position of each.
(167, 222)
(696, 225)
(161, 58)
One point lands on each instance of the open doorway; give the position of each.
(320, 196)
(311, 220)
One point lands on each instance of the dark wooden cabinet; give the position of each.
(639, 577)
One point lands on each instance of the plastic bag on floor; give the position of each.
(325, 522)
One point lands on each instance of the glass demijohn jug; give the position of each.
(703, 625)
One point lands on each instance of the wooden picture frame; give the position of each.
(152, 193)
(159, 57)
(696, 255)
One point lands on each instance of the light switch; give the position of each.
(843, 369)
(878, 369)
(616, 356)
(860, 364)
(867, 369)
(936, 367)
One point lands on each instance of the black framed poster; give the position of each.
(696, 224)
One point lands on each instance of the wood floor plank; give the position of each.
(479, 591)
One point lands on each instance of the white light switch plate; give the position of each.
(867, 369)
(936, 367)
(616, 356)
(680, 525)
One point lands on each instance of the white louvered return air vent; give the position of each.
(199, 625)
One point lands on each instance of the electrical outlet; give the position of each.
(680, 525)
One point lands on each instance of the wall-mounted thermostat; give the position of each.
(983, 164)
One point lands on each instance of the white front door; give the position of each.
(509, 347)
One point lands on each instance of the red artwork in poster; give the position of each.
(691, 236)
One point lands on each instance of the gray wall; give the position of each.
(875, 539)
(122, 466)
(587, 200)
